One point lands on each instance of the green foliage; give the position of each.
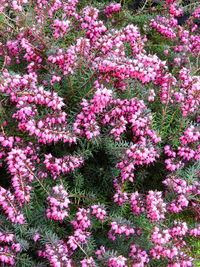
(92, 183)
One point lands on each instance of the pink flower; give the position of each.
(36, 237)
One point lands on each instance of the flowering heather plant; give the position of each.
(99, 134)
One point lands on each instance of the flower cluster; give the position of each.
(139, 257)
(22, 169)
(98, 211)
(136, 202)
(57, 254)
(60, 27)
(117, 261)
(80, 225)
(120, 229)
(186, 194)
(137, 154)
(111, 111)
(112, 8)
(164, 26)
(8, 204)
(86, 123)
(53, 127)
(64, 60)
(162, 247)
(8, 248)
(88, 262)
(56, 166)
(154, 206)
(59, 203)
(31, 53)
(189, 94)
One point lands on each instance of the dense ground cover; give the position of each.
(100, 136)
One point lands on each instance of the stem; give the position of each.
(8, 17)
(70, 82)
(4, 63)
(171, 119)
(8, 199)
(94, 86)
(146, 11)
(88, 80)
(144, 5)
(38, 180)
(76, 37)
(9, 26)
(181, 124)
(163, 116)
(75, 195)
(89, 91)
(12, 255)
(197, 62)
(53, 246)
(2, 129)
(196, 71)
(165, 108)
(127, 88)
(61, 182)
(190, 5)
(81, 249)
(52, 41)
(79, 67)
